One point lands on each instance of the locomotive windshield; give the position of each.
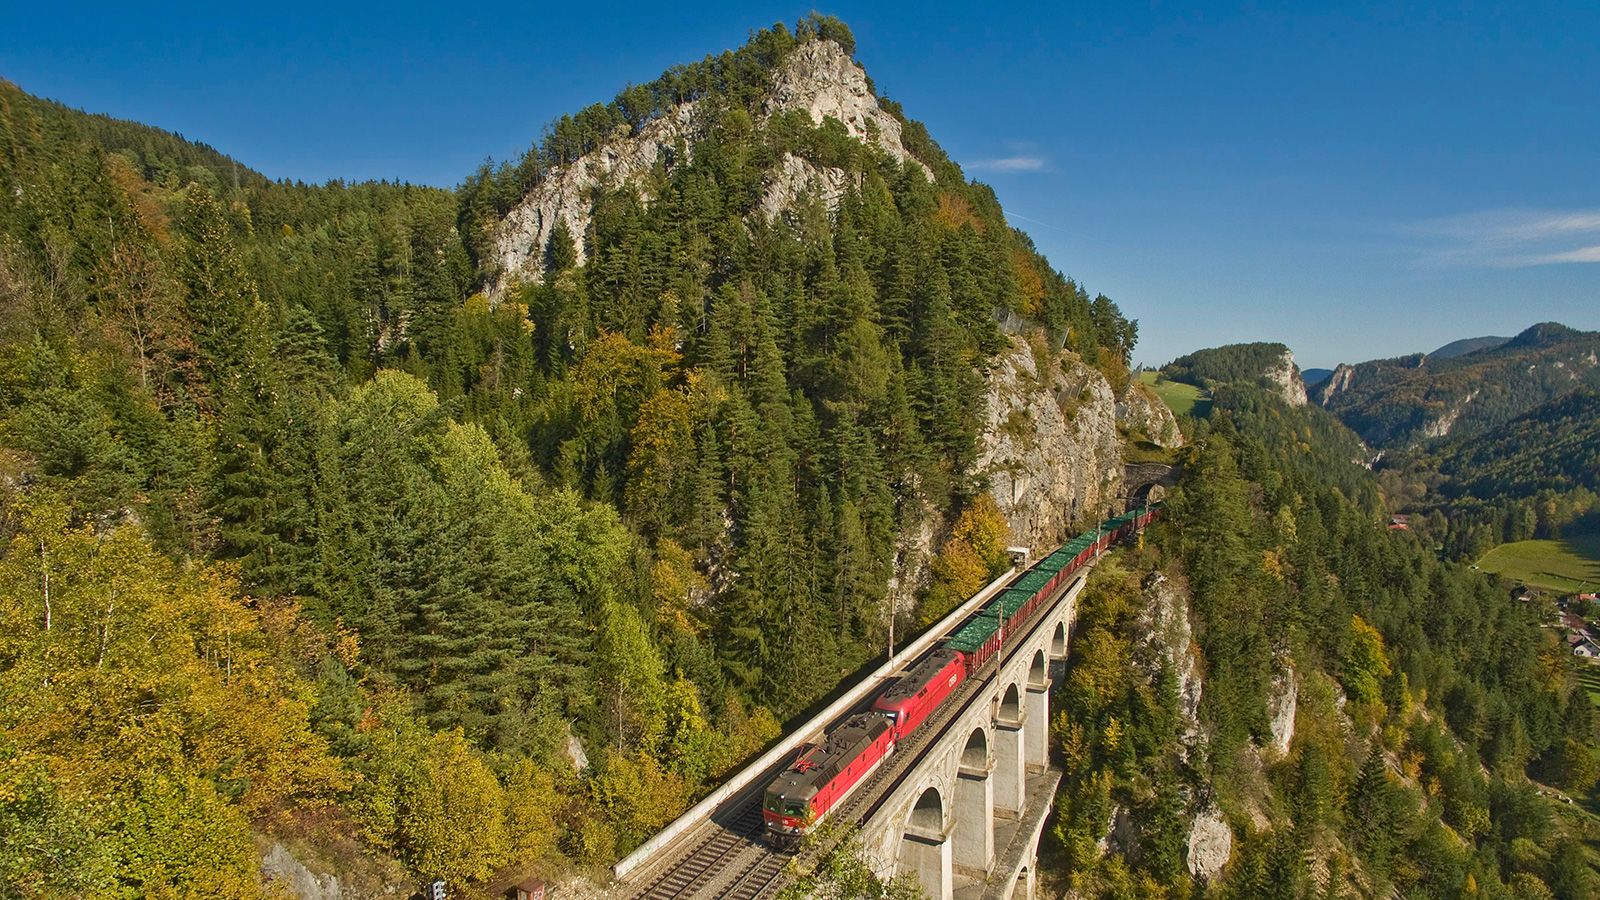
(777, 803)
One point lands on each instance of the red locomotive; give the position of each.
(912, 696)
(824, 774)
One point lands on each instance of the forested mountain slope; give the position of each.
(1555, 446)
(359, 538)
(1280, 697)
(1406, 401)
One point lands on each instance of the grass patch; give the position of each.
(1566, 565)
(1182, 399)
(1589, 680)
(1142, 451)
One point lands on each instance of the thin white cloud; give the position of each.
(1008, 164)
(1510, 238)
(1580, 255)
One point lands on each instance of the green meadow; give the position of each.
(1567, 565)
(1182, 399)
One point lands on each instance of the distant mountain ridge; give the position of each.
(1464, 388)
(1314, 377)
(156, 154)
(1468, 345)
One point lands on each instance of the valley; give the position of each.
(512, 535)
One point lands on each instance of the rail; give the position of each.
(701, 811)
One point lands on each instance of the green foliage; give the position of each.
(1234, 363)
(1555, 446)
(846, 872)
(1455, 696)
(974, 553)
(1117, 729)
(196, 726)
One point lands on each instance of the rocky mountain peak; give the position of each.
(1285, 375)
(819, 77)
(822, 79)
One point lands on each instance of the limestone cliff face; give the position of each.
(567, 193)
(1343, 377)
(1286, 376)
(307, 874)
(1168, 640)
(795, 179)
(1447, 420)
(1141, 412)
(1282, 704)
(818, 77)
(822, 79)
(1050, 446)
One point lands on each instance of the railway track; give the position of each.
(761, 877)
(735, 860)
(728, 845)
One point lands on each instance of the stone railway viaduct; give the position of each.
(966, 819)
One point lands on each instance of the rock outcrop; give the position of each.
(1285, 375)
(913, 562)
(796, 179)
(330, 868)
(1441, 426)
(280, 868)
(567, 193)
(1344, 375)
(1166, 636)
(818, 77)
(1050, 447)
(1210, 844)
(1281, 706)
(1142, 413)
(821, 78)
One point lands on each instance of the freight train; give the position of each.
(824, 774)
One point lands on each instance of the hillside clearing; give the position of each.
(1182, 399)
(1566, 565)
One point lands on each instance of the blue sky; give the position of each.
(1353, 180)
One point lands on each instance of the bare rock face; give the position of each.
(1141, 411)
(1050, 446)
(913, 562)
(1167, 636)
(1281, 706)
(279, 867)
(1286, 376)
(1447, 420)
(567, 193)
(1342, 378)
(1210, 844)
(573, 749)
(822, 79)
(818, 77)
(797, 178)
